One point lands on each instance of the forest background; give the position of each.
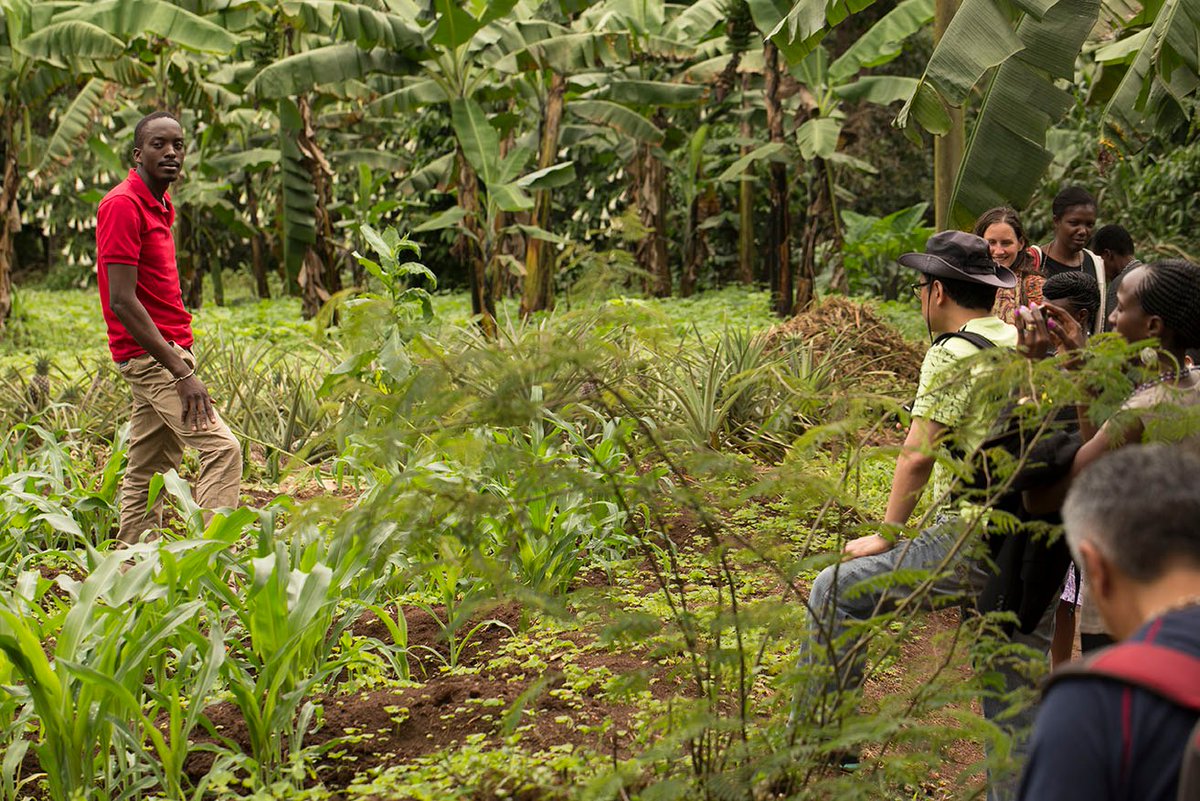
(531, 320)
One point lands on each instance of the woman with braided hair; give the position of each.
(1078, 294)
(1159, 301)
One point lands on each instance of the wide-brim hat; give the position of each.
(954, 254)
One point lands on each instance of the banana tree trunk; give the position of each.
(191, 273)
(214, 266)
(746, 199)
(319, 275)
(258, 244)
(468, 248)
(947, 149)
(779, 235)
(703, 206)
(501, 280)
(10, 215)
(649, 183)
(821, 210)
(539, 256)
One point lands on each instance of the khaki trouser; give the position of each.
(157, 437)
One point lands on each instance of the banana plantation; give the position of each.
(564, 344)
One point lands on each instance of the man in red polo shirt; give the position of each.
(150, 334)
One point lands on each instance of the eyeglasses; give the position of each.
(919, 288)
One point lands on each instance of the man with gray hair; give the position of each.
(1119, 725)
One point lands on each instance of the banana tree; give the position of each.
(88, 51)
(511, 53)
(505, 189)
(1021, 51)
(1157, 63)
(328, 48)
(633, 101)
(1022, 99)
(825, 84)
(768, 16)
(555, 62)
(458, 64)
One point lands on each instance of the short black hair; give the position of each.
(968, 294)
(139, 130)
(1069, 197)
(1115, 238)
(1076, 286)
(1171, 290)
(1139, 506)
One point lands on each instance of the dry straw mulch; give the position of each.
(869, 352)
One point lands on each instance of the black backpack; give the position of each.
(1029, 567)
(1163, 671)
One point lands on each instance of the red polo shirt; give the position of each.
(133, 227)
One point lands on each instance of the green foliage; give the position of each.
(1022, 102)
(1166, 181)
(648, 484)
(872, 244)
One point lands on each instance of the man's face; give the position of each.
(1111, 266)
(161, 155)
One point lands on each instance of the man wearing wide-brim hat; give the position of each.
(957, 288)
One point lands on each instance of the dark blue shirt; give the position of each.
(1076, 752)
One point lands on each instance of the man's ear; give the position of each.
(1096, 569)
(937, 292)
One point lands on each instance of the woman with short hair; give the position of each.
(1074, 217)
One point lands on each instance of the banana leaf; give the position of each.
(1006, 154)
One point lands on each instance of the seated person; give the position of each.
(957, 289)
(1131, 523)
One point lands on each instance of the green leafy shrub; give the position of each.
(871, 244)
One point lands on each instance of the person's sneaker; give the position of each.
(844, 759)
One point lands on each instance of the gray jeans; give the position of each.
(953, 575)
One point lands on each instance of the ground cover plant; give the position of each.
(567, 562)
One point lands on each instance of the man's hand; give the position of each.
(197, 405)
(869, 545)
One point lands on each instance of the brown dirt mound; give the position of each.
(869, 350)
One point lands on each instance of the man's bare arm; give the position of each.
(913, 468)
(914, 465)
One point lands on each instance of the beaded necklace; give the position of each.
(1170, 375)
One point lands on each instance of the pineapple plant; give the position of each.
(39, 385)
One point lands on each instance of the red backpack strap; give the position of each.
(1163, 671)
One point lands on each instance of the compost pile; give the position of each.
(867, 350)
